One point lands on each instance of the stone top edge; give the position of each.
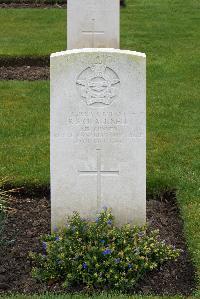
(98, 50)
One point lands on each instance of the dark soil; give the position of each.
(32, 4)
(24, 61)
(29, 218)
(24, 73)
(24, 68)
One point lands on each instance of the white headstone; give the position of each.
(92, 24)
(98, 142)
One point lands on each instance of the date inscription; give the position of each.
(103, 127)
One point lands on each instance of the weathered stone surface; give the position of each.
(98, 128)
(93, 24)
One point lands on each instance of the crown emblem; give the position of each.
(98, 85)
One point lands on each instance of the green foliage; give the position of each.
(99, 254)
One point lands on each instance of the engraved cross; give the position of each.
(92, 32)
(99, 172)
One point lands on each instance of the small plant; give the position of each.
(99, 255)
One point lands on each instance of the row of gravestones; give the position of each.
(98, 119)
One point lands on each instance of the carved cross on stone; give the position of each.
(99, 172)
(92, 33)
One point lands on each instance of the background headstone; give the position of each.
(93, 24)
(98, 128)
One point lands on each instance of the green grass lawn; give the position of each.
(24, 119)
(155, 27)
(32, 32)
(168, 31)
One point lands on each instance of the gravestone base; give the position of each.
(98, 134)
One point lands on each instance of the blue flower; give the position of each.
(141, 234)
(97, 220)
(102, 241)
(57, 238)
(129, 266)
(84, 265)
(107, 251)
(55, 229)
(59, 262)
(44, 245)
(73, 228)
(117, 260)
(109, 222)
(104, 208)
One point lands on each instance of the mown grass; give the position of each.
(24, 122)
(32, 32)
(168, 31)
(154, 27)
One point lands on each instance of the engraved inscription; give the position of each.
(99, 172)
(98, 85)
(100, 127)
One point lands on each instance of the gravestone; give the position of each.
(93, 24)
(98, 142)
